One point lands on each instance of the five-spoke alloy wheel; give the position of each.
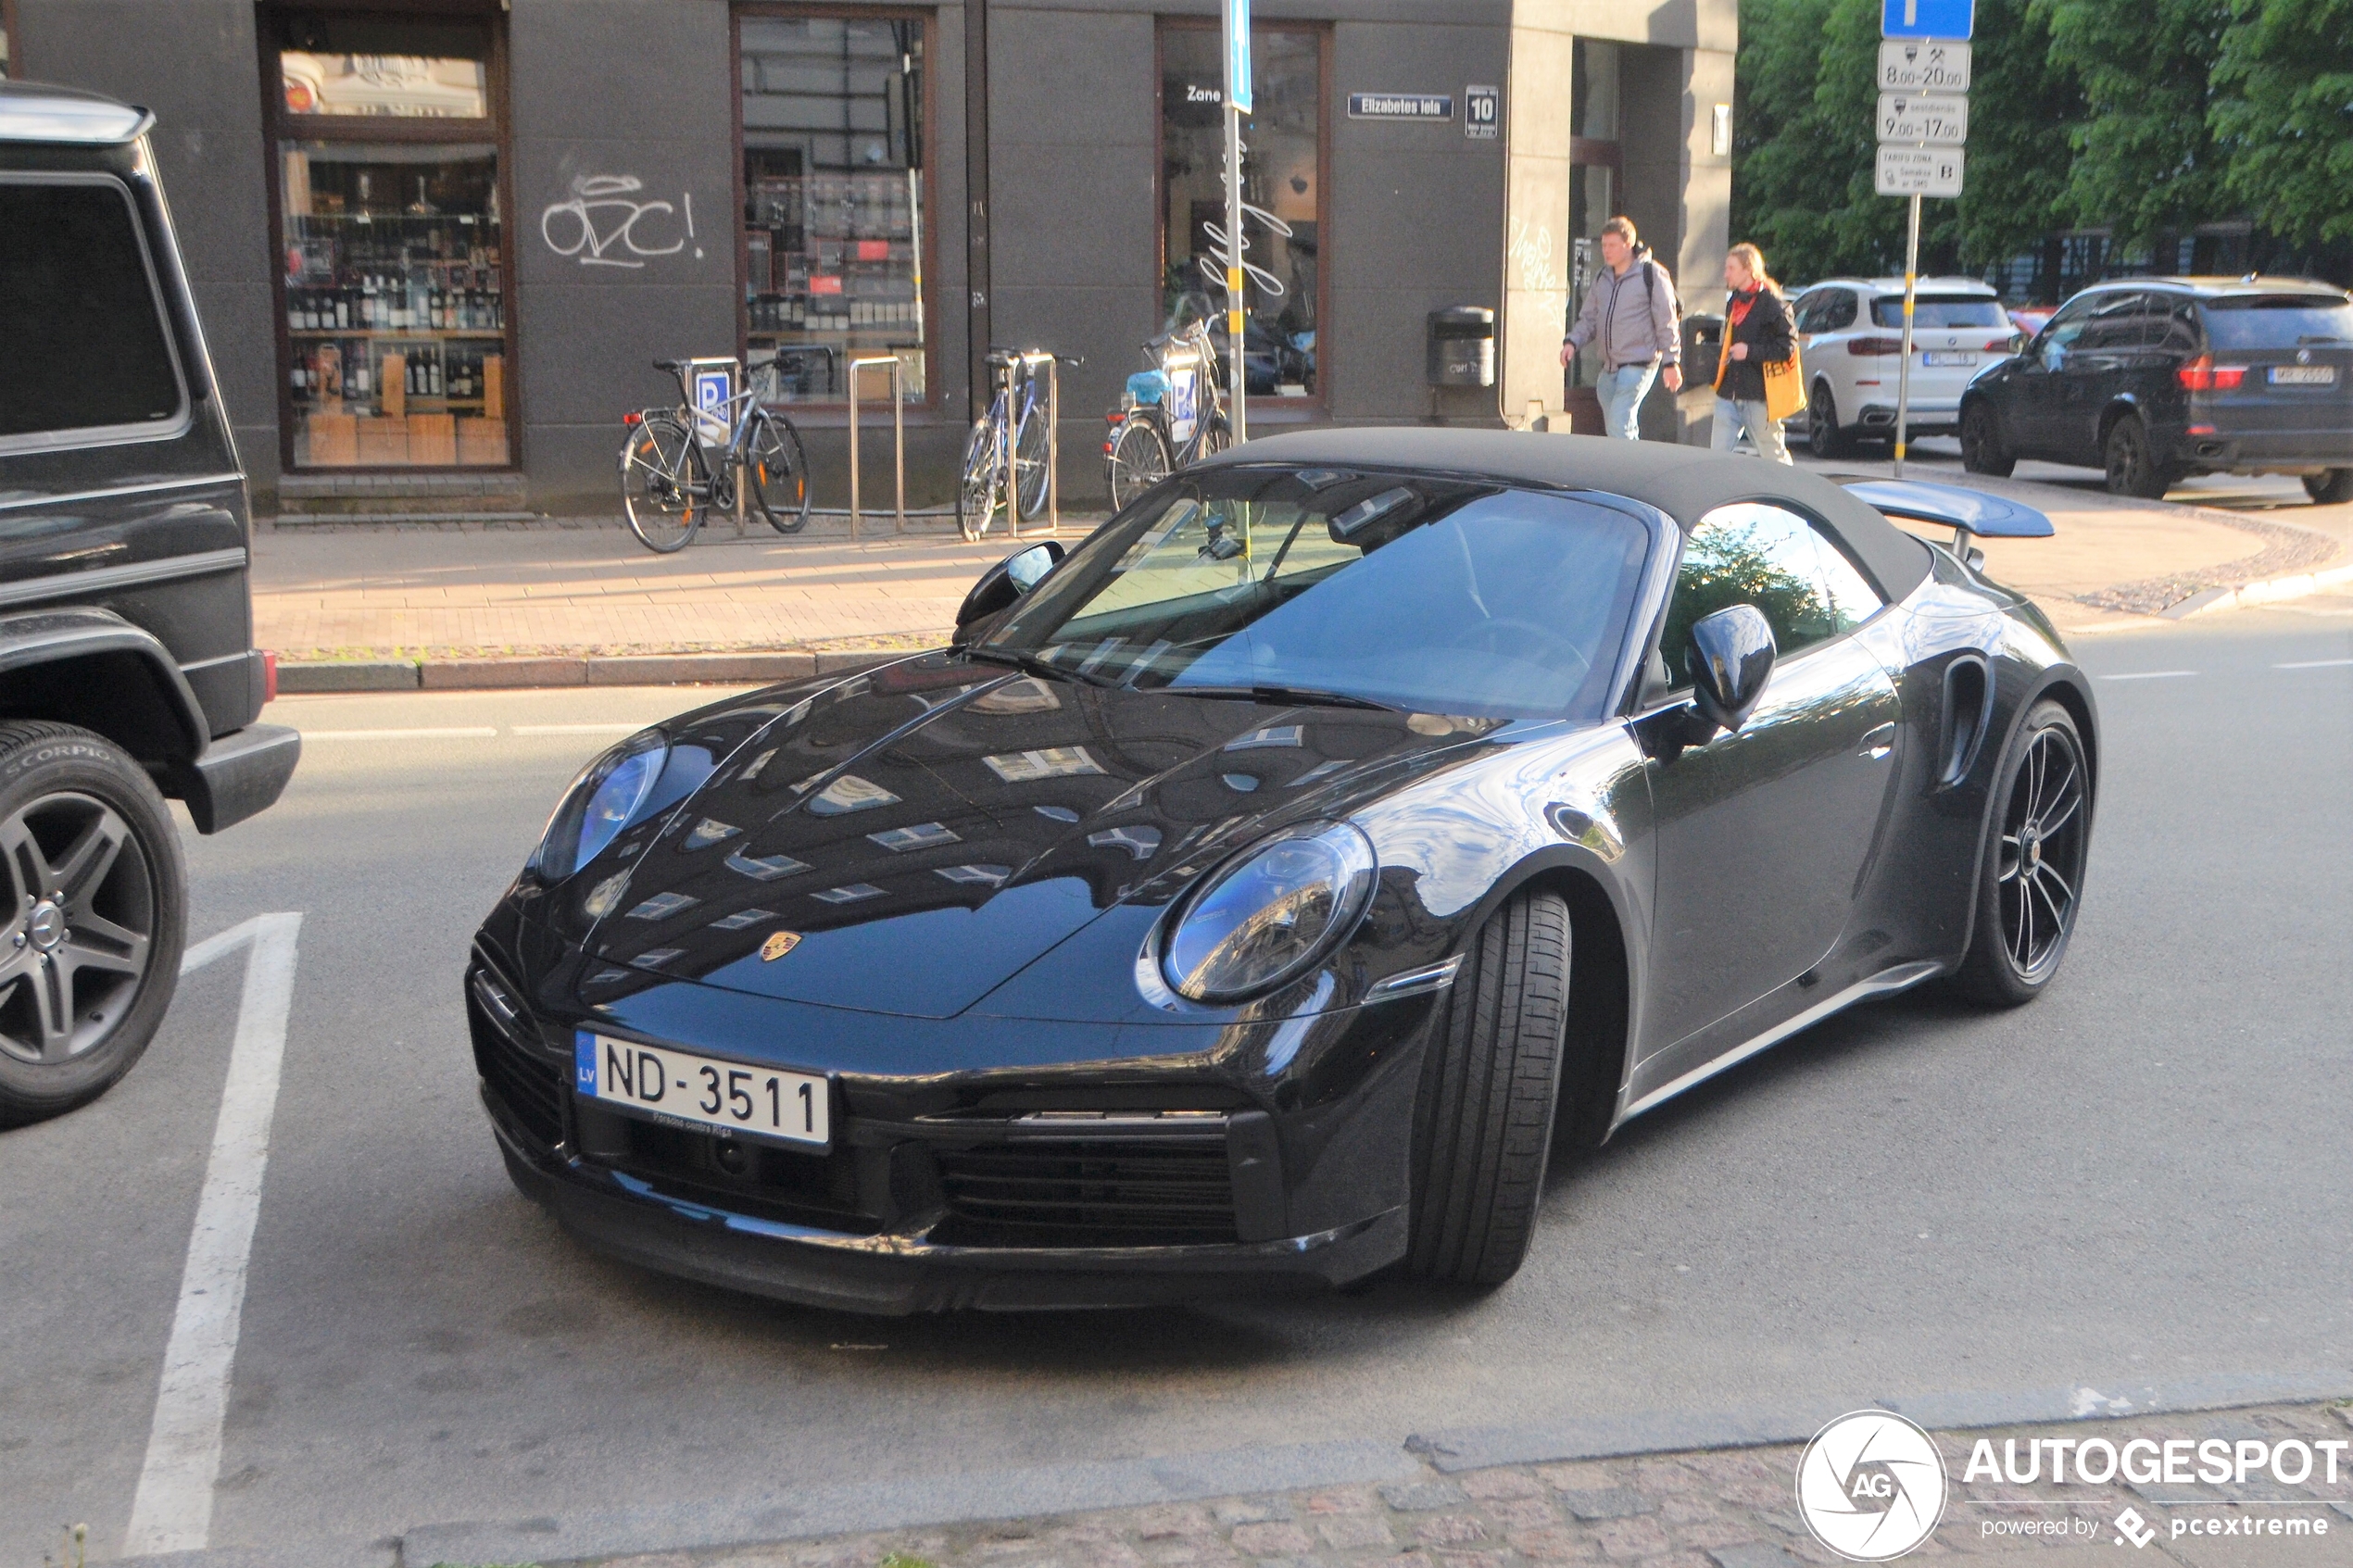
(92, 923)
(2033, 873)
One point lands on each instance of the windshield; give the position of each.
(1433, 595)
(2277, 320)
(1930, 312)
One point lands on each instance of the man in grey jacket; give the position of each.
(1630, 310)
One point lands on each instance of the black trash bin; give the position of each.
(1703, 343)
(1462, 347)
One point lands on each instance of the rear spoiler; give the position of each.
(1949, 506)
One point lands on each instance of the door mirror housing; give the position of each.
(1731, 658)
(1006, 582)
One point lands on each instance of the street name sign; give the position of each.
(1927, 18)
(1919, 171)
(1939, 119)
(1923, 65)
(1237, 29)
(1401, 106)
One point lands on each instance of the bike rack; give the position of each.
(1053, 451)
(898, 435)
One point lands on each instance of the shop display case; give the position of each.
(396, 312)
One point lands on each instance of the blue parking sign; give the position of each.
(1927, 18)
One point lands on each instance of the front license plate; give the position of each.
(684, 1089)
(2304, 375)
(1949, 359)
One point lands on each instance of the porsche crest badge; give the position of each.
(779, 943)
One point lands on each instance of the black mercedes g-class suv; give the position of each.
(126, 670)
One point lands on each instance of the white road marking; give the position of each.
(462, 731)
(2151, 675)
(2316, 664)
(172, 1510)
(577, 728)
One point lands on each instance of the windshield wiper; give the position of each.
(1302, 697)
(1031, 664)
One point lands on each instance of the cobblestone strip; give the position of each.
(1719, 1509)
(2288, 550)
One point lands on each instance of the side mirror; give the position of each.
(1006, 582)
(1731, 658)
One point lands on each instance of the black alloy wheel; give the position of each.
(1981, 450)
(93, 921)
(1490, 1084)
(2132, 467)
(2033, 879)
(1823, 436)
(2330, 487)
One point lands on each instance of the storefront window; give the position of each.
(1594, 163)
(834, 199)
(394, 253)
(1282, 197)
(7, 31)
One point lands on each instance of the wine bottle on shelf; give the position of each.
(343, 310)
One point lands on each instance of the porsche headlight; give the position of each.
(1265, 917)
(606, 796)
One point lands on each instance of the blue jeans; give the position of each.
(1622, 391)
(1732, 418)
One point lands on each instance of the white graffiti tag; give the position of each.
(605, 225)
(1212, 265)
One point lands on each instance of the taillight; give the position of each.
(633, 418)
(2202, 374)
(268, 678)
(2001, 345)
(1870, 347)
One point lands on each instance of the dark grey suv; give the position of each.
(2156, 379)
(126, 670)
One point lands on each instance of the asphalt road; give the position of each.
(2141, 1178)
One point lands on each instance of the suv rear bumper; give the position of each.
(2303, 451)
(1939, 417)
(238, 775)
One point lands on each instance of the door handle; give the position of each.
(1879, 743)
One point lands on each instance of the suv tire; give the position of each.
(1981, 448)
(2332, 487)
(1823, 436)
(86, 977)
(2131, 466)
(1491, 1080)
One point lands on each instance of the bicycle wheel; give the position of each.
(982, 490)
(777, 471)
(1216, 437)
(1138, 458)
(1031, 449)
(663, 487)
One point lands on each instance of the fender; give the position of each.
(49, 636)
(2049, 681)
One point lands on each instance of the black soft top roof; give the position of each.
(1685, 482)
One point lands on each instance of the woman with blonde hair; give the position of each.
(1758, 331)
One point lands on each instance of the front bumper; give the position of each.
(897, 1274)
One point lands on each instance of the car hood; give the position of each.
(908, 841)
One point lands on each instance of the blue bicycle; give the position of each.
(1015, 423)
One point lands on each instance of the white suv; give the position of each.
(1852, 334)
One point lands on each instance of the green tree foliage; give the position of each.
(2283, 112)
(2018, 157)
(2144, 158)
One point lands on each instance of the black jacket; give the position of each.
(1771, 336)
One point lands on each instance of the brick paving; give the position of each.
(1712, 1509)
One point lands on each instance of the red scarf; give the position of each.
(1741, 302)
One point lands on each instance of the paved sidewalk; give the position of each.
(1725, 1508)
(442, 592)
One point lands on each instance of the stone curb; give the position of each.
(307, 677)
(2251, 593)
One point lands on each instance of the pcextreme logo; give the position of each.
(1870, 1485)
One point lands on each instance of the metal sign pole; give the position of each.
(1903, 371)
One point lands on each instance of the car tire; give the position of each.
(83, 981)
(2131, 466)
(1981, 448)
(2020, 933)
(1823, 436)
(1490, 1086)
(2332, 487)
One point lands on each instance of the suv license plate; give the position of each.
(1948, 358)
(2303, 375)
(683, 1089)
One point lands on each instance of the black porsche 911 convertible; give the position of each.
(1245, 896)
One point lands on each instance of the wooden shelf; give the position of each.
(403, 334)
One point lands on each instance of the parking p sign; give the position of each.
(714, 390)
(1927, 18)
